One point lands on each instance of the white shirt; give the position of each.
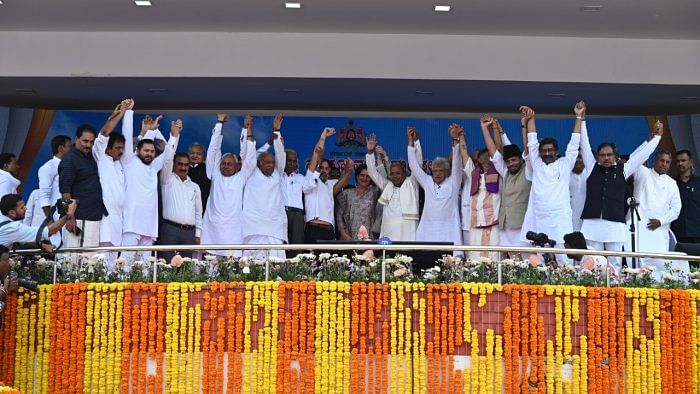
(318, 196)
(660, 199)
(263, 207)
(292, 190)
(16, 231)
(602, 230)
(8, 183)
(48, 182)
(577, 189)
(182, 199)
(549, 205)
(34, 216)
(141, 201)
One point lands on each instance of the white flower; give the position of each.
(542, 268)
(151, 259)
(246, 270)
(668, 276)
(507, 262)
(484, 260)
(633, 270)
(429, 275)
(373, 263)
(400, 272)
(650, 267)
(186, 260)
(276, 260)
(390, 261)
(210, 257)
(404, 259)
(475, 274)
(119, 263)
(245, 260)
(359, 258)
(676, 268)
(694, 274)
(324, 256)
(259, 262)
(695, 281)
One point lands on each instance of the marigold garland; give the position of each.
(340, 337)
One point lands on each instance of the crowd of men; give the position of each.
(494, 196)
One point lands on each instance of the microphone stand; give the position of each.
(633, 203)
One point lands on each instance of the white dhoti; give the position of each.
(484, 236)
(133, 239)
(398, 229)
(257, 239)
(221, 234)
(88, 238)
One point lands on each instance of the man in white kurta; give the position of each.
(141, 198)
(8, 181)
(659, 205)
(108, 151)
(34, 216)
(440, 219)
(264, 217)
(399, 196)
(549, 208)
(48, 181)
(577, 190)
(600, 233)
(223, 224)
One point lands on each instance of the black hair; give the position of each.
(611, 145)
(660, 152)
(359, 169)
(9, 202)
(576, 240)
(6, 158)
(399, 164)
(4, 249)
(85, 128)
(550, 141)
(57, 142)
(145, 141)
(114, 138)
(684, 152)
(181, 154)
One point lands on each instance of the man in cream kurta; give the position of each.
(399, 195)
(659, 205)
(8, 173)
(440, 220)
(264, 217)
(141, 201)
(549, 208)
(222, 219)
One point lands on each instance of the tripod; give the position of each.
(634, 212)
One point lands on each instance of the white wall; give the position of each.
(500, 58)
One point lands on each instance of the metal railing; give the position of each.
(374, 247)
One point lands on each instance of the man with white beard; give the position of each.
(264, 217)
(141, 180)
(659, 205)
(222, 220)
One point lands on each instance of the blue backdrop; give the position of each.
(301, 133)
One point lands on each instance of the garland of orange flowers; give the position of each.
(338, 337)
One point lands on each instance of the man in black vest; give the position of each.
(604, 224)
(198, 171)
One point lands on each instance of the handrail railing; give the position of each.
(374, 247)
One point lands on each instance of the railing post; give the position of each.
(267, 264)
(383, 265)
(607, 275)
(500, 273)
(55, 271)
(155, 270)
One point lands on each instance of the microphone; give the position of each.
(632, 202)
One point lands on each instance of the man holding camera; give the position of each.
(13, 230)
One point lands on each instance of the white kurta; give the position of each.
(141, 201)
(112, 182)
(34, 216)
(8, 183)
(49, 192)
(263, 207)
(394, 225)
(577, 189)
(602, 230)
(440, 220)
(658, 199)
(222, 220)
(549, 208)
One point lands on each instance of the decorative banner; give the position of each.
(301, 134)
(337, 337)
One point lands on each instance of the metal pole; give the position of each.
(55, 271)
(267, 264)
(155, 271)
(383, 266)
(500, 273)
(607, 275)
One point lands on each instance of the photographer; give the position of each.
(8, 283)
(12, 230)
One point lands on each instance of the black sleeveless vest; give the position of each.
(605, 194)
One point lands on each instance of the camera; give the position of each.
(540, 239)
(62, 205)
(28, 284)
